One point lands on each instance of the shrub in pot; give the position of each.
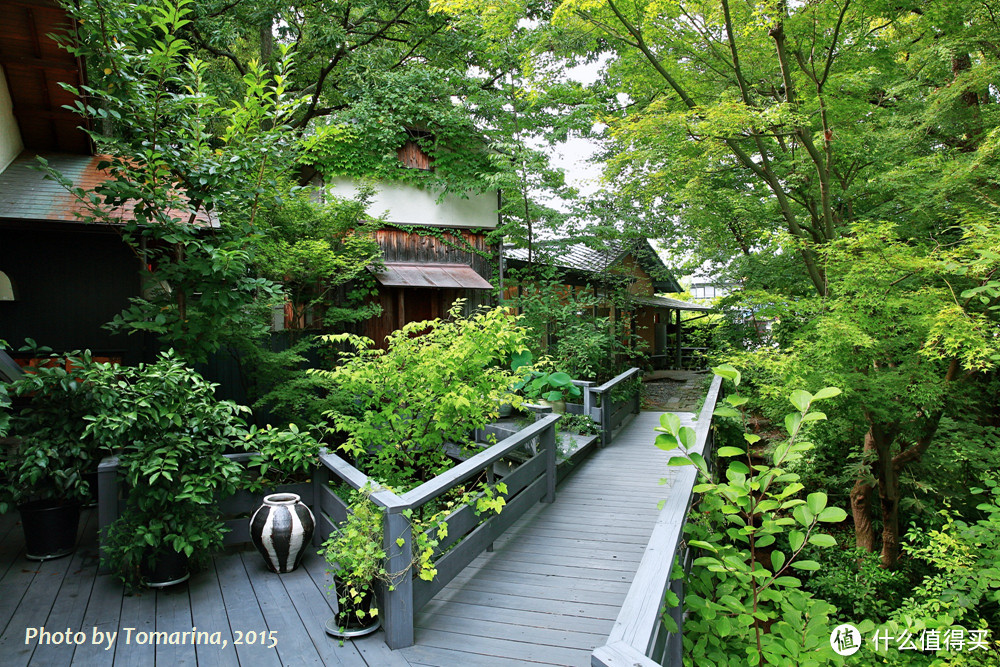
(171, 434)
(357, 563)
(48, 467)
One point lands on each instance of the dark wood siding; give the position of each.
(68, 285)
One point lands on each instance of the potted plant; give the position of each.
(46, 472)
(357, 563)
(551, 388)
(171, 434)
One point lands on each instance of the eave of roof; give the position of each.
(667, 302)
(27, 195)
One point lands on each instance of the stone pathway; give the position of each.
(676, 391)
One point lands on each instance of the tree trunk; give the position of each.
(889, 497)
(864, 532)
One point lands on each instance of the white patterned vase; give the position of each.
(281, 529)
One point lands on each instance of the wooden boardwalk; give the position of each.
(548, 593)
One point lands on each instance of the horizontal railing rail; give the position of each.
(638, 637)
(469, 535)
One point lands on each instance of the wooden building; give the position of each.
(61, 279)
(605, 266)
(64, 279)
(435, 249)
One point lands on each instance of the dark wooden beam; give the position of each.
(39, 63)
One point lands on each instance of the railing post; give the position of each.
(398, 602)
(547, 441)
(606, 409)
(107, 503)
(321, 479)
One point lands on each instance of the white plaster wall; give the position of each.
(409, 205)
(10, 135)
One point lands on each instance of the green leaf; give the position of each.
(679, 461)
(792, 422)
(777, 560)
(725, 411)
(796, 539)
(803, 515)
(816, 502)
(801, 399)
(727, 372)
(671, 422)
(751, 438)
(688, 437)
(666, 442)
(822, 540)
(826, 392)
(701, 544)
(730, 451)
(833, 515)
(808, 565)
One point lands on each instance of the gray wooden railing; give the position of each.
(613, 411)
(639, 638)
(468, 534)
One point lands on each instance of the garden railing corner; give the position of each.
(468, 534)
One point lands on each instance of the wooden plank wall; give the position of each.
(403, 305)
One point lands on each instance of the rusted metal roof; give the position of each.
(461, 276)
(25, 193)
(667, 302)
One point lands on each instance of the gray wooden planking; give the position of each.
(233, 593)
(173, 614)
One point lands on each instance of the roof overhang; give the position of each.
(667, 302)
(455, 276)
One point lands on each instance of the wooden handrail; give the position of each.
(399, 601)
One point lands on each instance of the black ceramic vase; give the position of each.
(281, 529)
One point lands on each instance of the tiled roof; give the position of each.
(598, 256)
(577, 256)
(26, 194)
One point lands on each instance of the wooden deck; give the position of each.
(548, 593)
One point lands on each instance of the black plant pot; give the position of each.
(346, 622)
(49, 528)
(165, 568)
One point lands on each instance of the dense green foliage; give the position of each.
(171, 434)
(53, 453)
(744, 603)
(436, 382)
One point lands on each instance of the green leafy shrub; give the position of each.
(171, 434)
(55, 451)
(743, 604)
(357, 558)
(436, 382)
(282, 456)
(854, 581)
